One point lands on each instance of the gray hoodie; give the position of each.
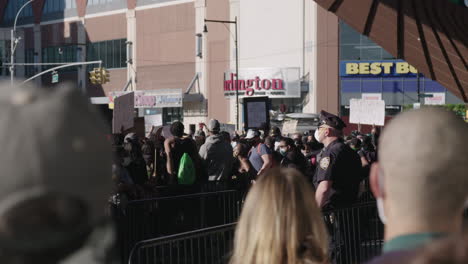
(217, 156)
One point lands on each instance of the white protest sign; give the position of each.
(367, 112)
(289, 127)
(123, 118)
(153, 120)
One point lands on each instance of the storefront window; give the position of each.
(113, 53)
(60, 54)
(354, 46)
(172, 114)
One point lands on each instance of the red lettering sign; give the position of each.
(250, 85)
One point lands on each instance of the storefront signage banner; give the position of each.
(153, 99)
(436, 99)
(271, 82)
(371, 96)
(376, 69)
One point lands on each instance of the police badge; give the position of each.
(324, 162)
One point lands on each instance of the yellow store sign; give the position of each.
(392, 68)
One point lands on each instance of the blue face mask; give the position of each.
(283, 152)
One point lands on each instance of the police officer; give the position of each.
(338, 171)
(336, 180)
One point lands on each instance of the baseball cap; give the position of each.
(53, 142)
(252, 133)
(213, 125)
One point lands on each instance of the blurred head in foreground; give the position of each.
(56, 168)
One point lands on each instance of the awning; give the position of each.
(191, 95)
(432, 35)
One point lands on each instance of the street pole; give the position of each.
(237, 62)
(12, 57)
(419, 88)
(14, 43)
(237, 78)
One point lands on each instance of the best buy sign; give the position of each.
(376, 68)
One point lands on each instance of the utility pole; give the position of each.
(237, 61)
(14, 42)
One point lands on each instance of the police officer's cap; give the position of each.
(331, 120)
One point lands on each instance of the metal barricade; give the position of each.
(356, 233)
(145, 219)
(205, 246)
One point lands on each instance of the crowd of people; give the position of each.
(323, 156)
(420, 182)
(55, 185)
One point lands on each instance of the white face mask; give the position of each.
(233, 144)
(380, 209)
(317, 135)
(126, 161)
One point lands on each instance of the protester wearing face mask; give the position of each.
(133, 159)
(216, 153)
(243, 171)
(292, 156)
(310, 154)
(260, 155)
(275, 133)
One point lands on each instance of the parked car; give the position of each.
(305, 121)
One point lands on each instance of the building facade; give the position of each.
(183, 68)
(158, 48)
(368, 71)
(148, 46)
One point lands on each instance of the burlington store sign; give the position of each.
(271, 82)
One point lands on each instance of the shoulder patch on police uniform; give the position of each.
(324, 162)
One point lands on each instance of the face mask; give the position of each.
(128, 147)
(233, 144)
(283, 152)
(126, 161)
(317, 135)
(380, 209)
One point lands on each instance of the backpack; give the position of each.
(275, 162)
(186, 172)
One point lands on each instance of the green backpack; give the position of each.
(186, 173)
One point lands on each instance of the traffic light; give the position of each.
(105, 76)
(95, 76)
(99, 76)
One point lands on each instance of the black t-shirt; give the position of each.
(295, 159)
(186, 145)
(341, 165)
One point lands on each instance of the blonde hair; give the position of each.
(280, 223)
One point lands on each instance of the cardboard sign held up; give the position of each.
(367, 112)
(231, 129)
(289, 127)
(123, 113)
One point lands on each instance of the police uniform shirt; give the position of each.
(340, 164)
